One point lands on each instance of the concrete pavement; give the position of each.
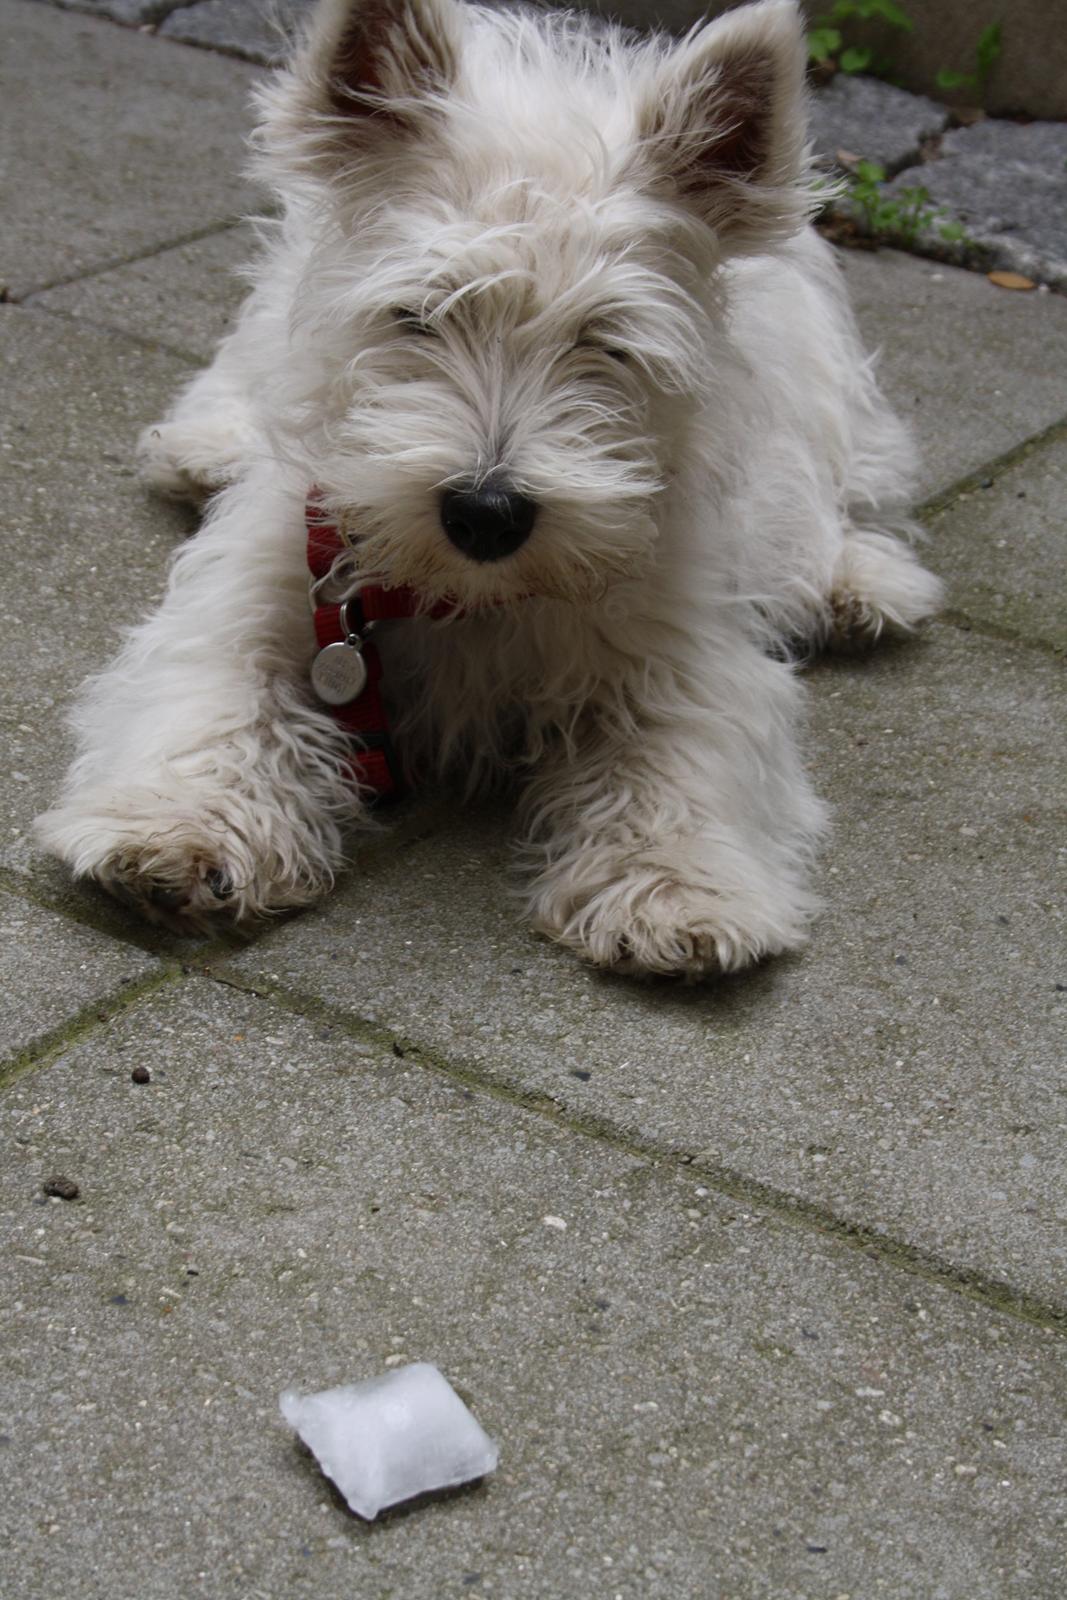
(802, 1333)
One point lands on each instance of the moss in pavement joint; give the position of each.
(99, 1013)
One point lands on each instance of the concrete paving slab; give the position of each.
(185, 298)
(872, 121)
(1003, 541)
(1007, 184)
(691, 1397)
(249, 28)
(906, 1072)
(974, 369)
(85, 548)
(50, 971)
(111, 144)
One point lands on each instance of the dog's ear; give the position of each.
(383, 57)
(366, 69)
(724, 125)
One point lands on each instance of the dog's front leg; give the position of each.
(205, 777)
(674, 832)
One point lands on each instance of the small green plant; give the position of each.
(901, 216)
(826, 41)
(986, 56)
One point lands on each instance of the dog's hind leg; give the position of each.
(836, 436)
(213, 431)
(204, 443)
(878, 583)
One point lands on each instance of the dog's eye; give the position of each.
(406, 318)
(604, 349)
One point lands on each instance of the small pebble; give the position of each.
(61, 1188)
(140, 1075)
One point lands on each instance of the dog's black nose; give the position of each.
(487, 523)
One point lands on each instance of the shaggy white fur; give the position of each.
(520, 251)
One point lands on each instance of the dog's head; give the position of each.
(506, 321)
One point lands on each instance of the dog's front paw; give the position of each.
(183, 859)
(650, 924)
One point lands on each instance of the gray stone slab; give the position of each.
(51, 970)
(1004, 543)
(907, 1071)
(138, 12)
(974, 369)
(84, 548)
(186, 297)
(873, 121)
(1016, 147)
(1007, 184)
(691, 1396)
(113, 143)
(260, 30)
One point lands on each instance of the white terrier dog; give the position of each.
(544, 326)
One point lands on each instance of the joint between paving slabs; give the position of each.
(984, 477)
(142, 341)
(945, 499)
(794, 1209)
(921, 154)
(194, 237)
(98, 1014)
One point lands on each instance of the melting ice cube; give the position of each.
(392, 1437)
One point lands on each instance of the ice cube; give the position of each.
(389, 1438)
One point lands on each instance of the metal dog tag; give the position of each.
(339, 672)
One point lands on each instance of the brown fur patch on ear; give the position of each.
(368, 72)
(742, 148)
(389, 49)
(724, 125)
(725, 135)
(355, 68)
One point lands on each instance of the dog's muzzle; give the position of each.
(487, 523)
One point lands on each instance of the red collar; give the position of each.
(347, 672)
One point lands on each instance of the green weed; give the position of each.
(987, 54)
(900, 216)
(826, 41)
